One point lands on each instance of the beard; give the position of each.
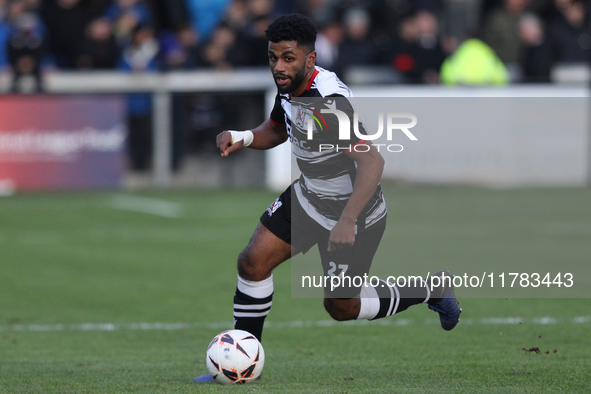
(295, 83)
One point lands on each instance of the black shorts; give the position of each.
(291, 223)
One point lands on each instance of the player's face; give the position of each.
(290, 64)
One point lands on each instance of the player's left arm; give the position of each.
(370, 166)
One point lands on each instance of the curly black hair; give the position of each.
(293, 27)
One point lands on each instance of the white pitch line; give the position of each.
(485, 321)
(147, 205)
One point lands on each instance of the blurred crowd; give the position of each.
(422, 41)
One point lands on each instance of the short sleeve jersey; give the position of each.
(327, 174)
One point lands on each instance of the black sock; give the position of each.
(395, 299)
(252, 304)
(250, 313)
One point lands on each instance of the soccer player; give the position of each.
(336, 203)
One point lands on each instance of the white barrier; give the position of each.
(502, 138)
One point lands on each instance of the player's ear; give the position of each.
(311, 59)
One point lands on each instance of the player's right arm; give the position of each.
(268, 135)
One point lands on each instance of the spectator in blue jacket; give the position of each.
(140, 56)
(126, 16)
(205, 15)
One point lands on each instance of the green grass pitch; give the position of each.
(78, 275)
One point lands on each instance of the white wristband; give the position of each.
(246, 136)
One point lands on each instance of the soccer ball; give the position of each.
(235, 357)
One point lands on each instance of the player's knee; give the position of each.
(248, 268)
(339, 310)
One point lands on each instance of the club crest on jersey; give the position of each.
(308, 119)
(273, 207)
(300, 118)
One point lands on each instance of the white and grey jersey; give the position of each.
(327, 173)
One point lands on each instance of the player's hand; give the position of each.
(342, 235)
(224, 142)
